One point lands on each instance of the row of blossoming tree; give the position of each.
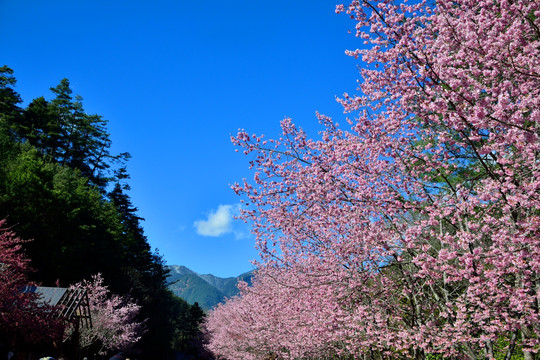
(415, 232)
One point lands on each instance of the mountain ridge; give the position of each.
(205, 289)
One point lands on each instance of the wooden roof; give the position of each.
(72, 303)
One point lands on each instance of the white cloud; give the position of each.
(217, 223)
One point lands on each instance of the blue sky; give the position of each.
(175, 79)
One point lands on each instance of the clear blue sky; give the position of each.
(175, 78)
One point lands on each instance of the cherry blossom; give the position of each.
(23, 315)
(114, 319)
(415, 230)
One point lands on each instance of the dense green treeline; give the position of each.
(61, 187)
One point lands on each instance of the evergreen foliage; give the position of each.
(61, 186)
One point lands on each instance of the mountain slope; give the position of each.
(227, 285)
(207, 290)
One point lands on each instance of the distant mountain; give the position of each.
(207, 290)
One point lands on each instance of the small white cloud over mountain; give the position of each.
(218, 223)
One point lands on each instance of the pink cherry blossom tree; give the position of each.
(23, 317)
(416, 231)
(277, 317)
(114, 319)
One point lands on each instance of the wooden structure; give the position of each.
(71, 303)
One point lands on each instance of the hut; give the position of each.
(71, 303)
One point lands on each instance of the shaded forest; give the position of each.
(63, 189)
